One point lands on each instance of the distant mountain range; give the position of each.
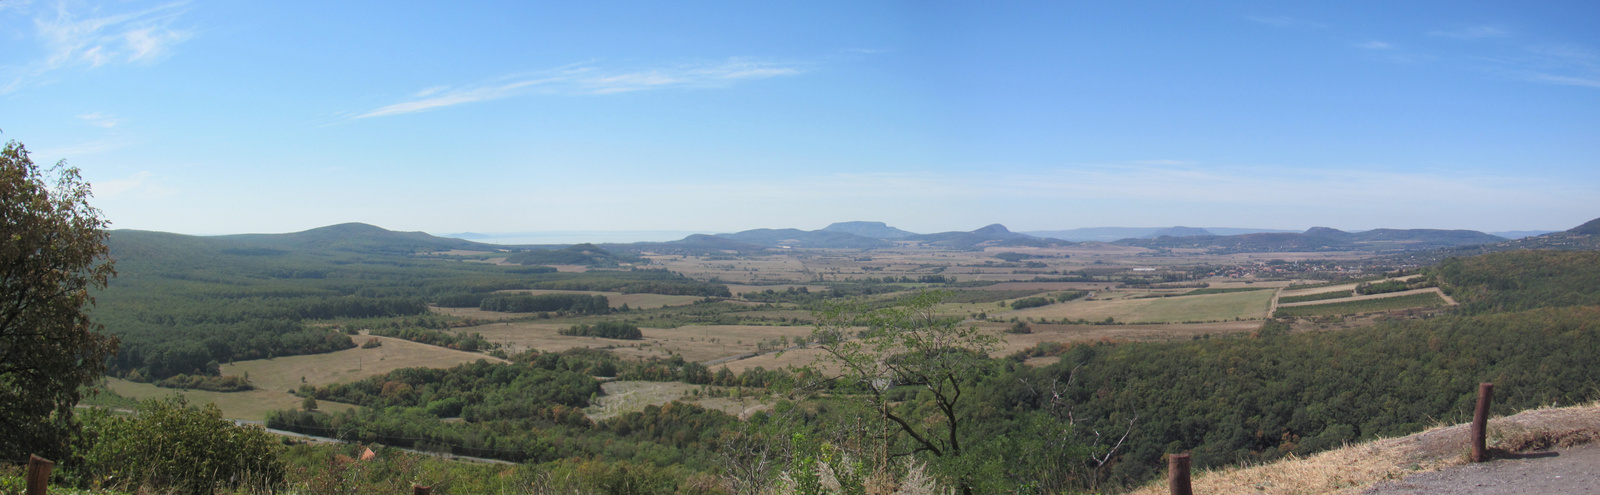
(363, 238)
(1584, 237)
(1321, 239)
(1109, 234)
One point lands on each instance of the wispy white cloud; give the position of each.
(1560, 64)
(1472, 32)
(1375, 45)
(589, 79)
(72, 39)
(1593, 82)
(98, 119)
(136, 186)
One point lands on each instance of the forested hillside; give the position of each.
(185, 304)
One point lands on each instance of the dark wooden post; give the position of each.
(1480, 423)
(421, 490)
(38, 475)
(1178, 474)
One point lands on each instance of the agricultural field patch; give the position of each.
(1049, 286)
(1424, 298)
(251, 405)
(1320, 296)
(1091, 333)
(1350, 287)
(1011, 343)
(284, 373)
(1222, 290)
(698, 343)
(1203, 308)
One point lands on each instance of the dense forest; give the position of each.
(186, 305)
(580, 254)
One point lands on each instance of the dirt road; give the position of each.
(1573, 470)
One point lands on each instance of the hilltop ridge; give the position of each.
(877, 230)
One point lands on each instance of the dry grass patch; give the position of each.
(1357, 468)
(348, 365)
(250, 405)
(694, 342)
(632, 396)
(797, 357)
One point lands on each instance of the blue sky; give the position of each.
(230, 116)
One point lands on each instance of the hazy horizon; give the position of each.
(630, 236)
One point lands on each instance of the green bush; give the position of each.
(172, 446)
(1030, 302)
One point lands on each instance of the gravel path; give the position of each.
(1573, 470)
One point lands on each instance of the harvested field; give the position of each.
(284, 373)
(1202, 308)
(250, 405)
(694, 342)
(797, 357)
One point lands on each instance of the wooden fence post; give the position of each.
(421, 490)
(1480, 423)
(38, 475)
(1178, 474)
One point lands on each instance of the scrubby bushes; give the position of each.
(606, 330)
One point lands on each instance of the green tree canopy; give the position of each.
(52, 252)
